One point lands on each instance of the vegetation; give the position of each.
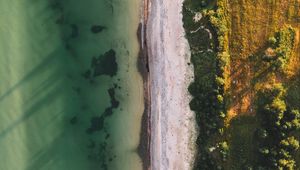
(208, 87)
(284, 44)
(277, 144)
(246, 105)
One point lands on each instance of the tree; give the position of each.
(272, 40)
(264, 151)
(295, 122)
(291, 143)
(288, 164)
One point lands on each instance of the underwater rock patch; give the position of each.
(103, 65)
(97, 29)
(114, 102)
(97, 124)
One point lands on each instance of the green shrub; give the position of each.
(285, 44)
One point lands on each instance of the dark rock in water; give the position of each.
(97, 29)
(115, 85)
(67, 46)
(75, 31)
(95, 62)
(107, 136)
(87, 74)
(108, 111)
(97, 124)
(105, 64)
(114, 102)
(74, 120)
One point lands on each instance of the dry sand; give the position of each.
(173, 125)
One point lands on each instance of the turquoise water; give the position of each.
(70, 94)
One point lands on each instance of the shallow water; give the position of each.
(56, 113)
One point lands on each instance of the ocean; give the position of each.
(71, 97)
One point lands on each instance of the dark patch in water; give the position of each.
(99, 148)
(114, 102)
(67, 46)
(75, 31)
(105, 64)
(57, 6)
(100, 154)
(97, 122)
(87, 74)
(77, 89)
(74, 120)
(108, 111)
(97, 29)
(115, 85)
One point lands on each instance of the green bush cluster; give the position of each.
(220, 21)
(284, 45)
(277, 144)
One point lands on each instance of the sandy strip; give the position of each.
(172, 122)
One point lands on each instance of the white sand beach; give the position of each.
(173, 126)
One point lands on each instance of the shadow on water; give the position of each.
(27, 77)
(32, 108)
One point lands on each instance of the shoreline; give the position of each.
(172, 123)
(143, 68)
(145, 134)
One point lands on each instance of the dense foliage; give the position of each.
(284, 43)
(277, 143)
(208, 86)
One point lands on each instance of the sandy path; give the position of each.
(172, 122)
